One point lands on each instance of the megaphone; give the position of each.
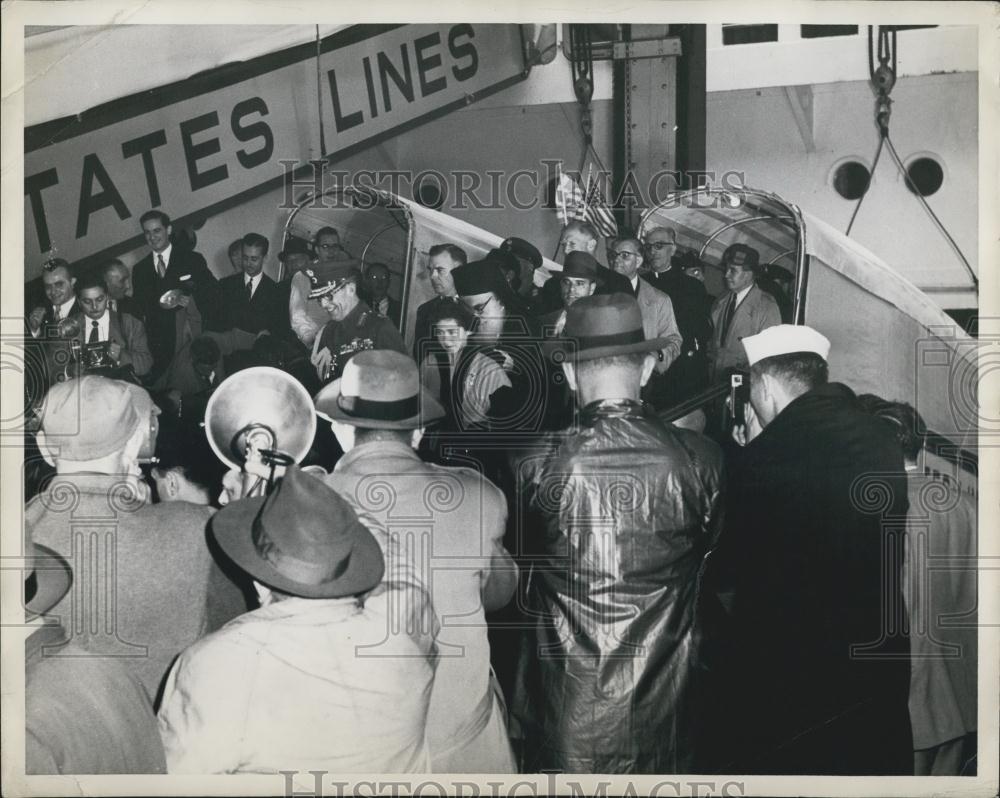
(260, 416)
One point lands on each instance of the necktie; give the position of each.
(94, 337)
(161, 267)
(727, 318)
(249, 290)
(56, 312)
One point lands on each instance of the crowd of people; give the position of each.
(496, 555)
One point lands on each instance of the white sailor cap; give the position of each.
(783, 340)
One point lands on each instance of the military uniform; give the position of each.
(361, 329)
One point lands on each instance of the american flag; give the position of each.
(570, 201)
(597, 211)
(572, 204)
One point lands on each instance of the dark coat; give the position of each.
(692, 305)
(268, 310)
(624, 512)
(810, 560)
(148, 287)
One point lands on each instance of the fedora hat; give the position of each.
(379, 389)
(582, 265)
(48, 579)
(90, 417)
(603, 325)
(303, 539)
(327, 277)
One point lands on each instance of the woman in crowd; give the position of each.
(461, 377)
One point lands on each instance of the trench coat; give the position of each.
(623, 513)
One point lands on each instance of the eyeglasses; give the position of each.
(481, 307)
(624, 253)
(656, 246)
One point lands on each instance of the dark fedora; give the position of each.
(303, 539)
(325, 278)
(478, 277)
(603, 325)
(742, 255)
(49, 579)
(582, 265)
(379, 389)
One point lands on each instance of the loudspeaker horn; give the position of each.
(260, 410)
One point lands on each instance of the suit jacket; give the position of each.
(128, 304)
(756, 312)
(130, 334)
(46, 354)
(267, 310)
(692, 306)
(658, 321)
(186, 268)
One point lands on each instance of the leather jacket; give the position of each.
(622, 514)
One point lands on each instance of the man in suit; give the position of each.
(252, 301)
(123, 336)
(740, 312)
(658, 320)
(118, 280)
(376, 287)
(167, 267)
(47, 349)
(60, 291)
(443, 258)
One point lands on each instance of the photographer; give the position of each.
(810, 576)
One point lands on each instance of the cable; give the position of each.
(883, 78)
(927, 207)
(319, 98)
(871, 175)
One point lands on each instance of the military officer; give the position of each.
(353, 326)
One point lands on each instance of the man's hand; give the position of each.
(184, 300)
(744, 433)
(114, 351)
(321, 360)
(35, 319)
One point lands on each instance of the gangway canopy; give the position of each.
(887, 336)
(377, 226)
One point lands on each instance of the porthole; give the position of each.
(851, 179)
(924, 175)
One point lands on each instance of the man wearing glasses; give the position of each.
(328, 247)
(658, 319)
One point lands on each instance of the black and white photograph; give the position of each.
(563, 399)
